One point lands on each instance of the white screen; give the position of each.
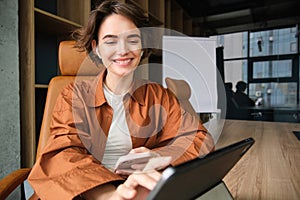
(193, 59)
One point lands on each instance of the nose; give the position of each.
(122, 48)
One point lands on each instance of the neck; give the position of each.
(117, 84)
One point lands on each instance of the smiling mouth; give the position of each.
(123, 61)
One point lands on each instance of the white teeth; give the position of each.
(122, 62)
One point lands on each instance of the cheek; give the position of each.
(107, 57)
(137, 53)
(107, 52)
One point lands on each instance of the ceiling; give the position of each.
(226, 16)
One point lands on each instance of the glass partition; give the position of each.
(272, 69)
(274, 94)
(273, 42)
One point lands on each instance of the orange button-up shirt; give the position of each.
(70, 164)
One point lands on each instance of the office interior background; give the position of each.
(271, 56)
(260, 40)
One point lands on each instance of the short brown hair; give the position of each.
(86, 35)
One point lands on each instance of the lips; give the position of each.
(123, 61)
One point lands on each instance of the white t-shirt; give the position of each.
(119, 141)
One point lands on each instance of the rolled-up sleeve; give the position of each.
(65, 168)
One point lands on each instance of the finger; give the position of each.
(142, 179)
(154, 174)
(139, 150)
(131, 182)
(142, 193)
(126, 192)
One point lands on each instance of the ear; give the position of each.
(96, 48)
(142, 52)
(98, 53)
(94, 44)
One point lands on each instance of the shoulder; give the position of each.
(76, 91)
(152, 88)
(78, 85)
(156, 87)
(146, 91)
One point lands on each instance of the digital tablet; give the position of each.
(193, 178)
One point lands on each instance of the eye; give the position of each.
(110, 42)
(134, 41)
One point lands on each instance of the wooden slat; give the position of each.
(157, 8)
(140, 3)
(74, 10)
(43, 86)
(53, 24)
(27, 74)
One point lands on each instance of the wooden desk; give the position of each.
(271, 168)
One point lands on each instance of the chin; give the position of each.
(124, 72)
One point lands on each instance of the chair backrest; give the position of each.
(182, 91)
(73, 64)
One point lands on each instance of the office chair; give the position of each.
(182, 91)
(73, 64)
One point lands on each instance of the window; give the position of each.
(273, 42)
(274, 79)
(274, 94)
(272, 69)
(235, 45)
(234, 71)
(293, 47)
(269, 63)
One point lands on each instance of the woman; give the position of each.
(95, 122)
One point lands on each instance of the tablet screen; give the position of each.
(192, 179)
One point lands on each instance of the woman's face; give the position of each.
(119, 45)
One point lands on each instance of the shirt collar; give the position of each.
(96, 97)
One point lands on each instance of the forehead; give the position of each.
(117, 25)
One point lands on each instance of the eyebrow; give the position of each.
(115, 36)
(109, 36)
(133, 35)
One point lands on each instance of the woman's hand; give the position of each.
(137, 186)
(139, 150)
(134, 167)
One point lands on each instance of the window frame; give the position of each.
(295, 69)
(295, 57)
